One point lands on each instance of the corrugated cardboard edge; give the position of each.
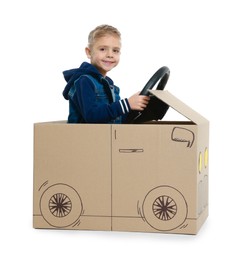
(179, 106)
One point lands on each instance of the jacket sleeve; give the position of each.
(91, 111)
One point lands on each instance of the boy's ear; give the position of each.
(88, 52)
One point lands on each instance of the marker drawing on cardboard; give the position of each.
(146, 177)
(180, 134)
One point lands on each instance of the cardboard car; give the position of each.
(150, 177)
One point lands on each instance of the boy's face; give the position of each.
(105, 53)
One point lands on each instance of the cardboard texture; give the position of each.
(150, 177)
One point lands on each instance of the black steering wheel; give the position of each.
(156, 108)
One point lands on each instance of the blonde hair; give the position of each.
(101, 31)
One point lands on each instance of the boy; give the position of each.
(93, 98)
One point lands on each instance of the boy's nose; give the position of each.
(109, 54)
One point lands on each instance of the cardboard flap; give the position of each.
(179, 106)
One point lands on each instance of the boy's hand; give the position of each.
(138, 102)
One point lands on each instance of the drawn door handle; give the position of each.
(131, 150)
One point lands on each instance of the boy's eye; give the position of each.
(102, 49)
(116, 51)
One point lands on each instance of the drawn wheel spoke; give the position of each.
(164, 208)
(60, 205)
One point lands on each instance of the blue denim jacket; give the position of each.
(102, 97)
(93, 98)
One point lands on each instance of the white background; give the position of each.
(41, 38)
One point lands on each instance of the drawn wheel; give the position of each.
(164, 208)
(60, 205)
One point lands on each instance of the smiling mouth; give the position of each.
(108, 62)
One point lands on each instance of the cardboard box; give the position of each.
(149, 177)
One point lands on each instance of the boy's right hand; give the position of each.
(138, 102)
